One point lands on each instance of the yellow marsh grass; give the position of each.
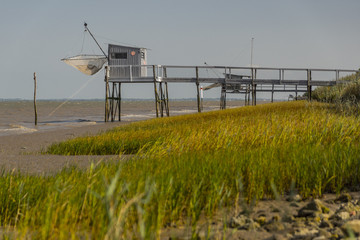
(308, 144)
(235, 129)
(187, 166)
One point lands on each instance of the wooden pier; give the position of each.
(231, 80)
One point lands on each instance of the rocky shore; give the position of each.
(331, 217)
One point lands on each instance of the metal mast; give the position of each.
(87, 29)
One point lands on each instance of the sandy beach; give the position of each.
(22, 152)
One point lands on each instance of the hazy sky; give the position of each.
(36, 34)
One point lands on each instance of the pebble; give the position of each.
(343, 215)
(325, 224)
(352, 226)
(274, 227)
(301, 233)
(313, 209)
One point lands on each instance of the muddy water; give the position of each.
(17, 117)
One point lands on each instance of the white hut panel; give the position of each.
(127, 60)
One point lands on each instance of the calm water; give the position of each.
(17, 117)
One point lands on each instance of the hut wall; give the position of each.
(129, 57)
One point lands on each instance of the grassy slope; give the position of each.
(341, 93)
(188, 166)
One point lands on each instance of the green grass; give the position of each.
(186, 167)
(340, 93)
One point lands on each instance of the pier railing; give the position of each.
(242, 80)
(224, 74)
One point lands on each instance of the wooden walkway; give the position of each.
(232, 80)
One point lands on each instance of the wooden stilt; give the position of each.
(162, 100)
(112, 103)
(255, 95)
(223, 96)
(156, 92)
(255, 87)
(272, 93)
(119, 102)
(166, 94)
(198, 90)
(167, 100)
(252, 87)
(245, 94)
(309, 84)
(253, 77)
(201, 98)
(106, 94)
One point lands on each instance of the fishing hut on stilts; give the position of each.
(128, 65)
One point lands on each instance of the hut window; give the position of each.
(121, 55)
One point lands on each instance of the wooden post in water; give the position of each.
(35, 98)
(106, 94)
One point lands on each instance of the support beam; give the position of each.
(156, 92)
(161, 100)
(167, 100)
(245, 95)
(223, 97)
(119, 102)
(309, 84)
(198, 90)
(166, 94)
(106, 94)
(253, 86)
(112, 103)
